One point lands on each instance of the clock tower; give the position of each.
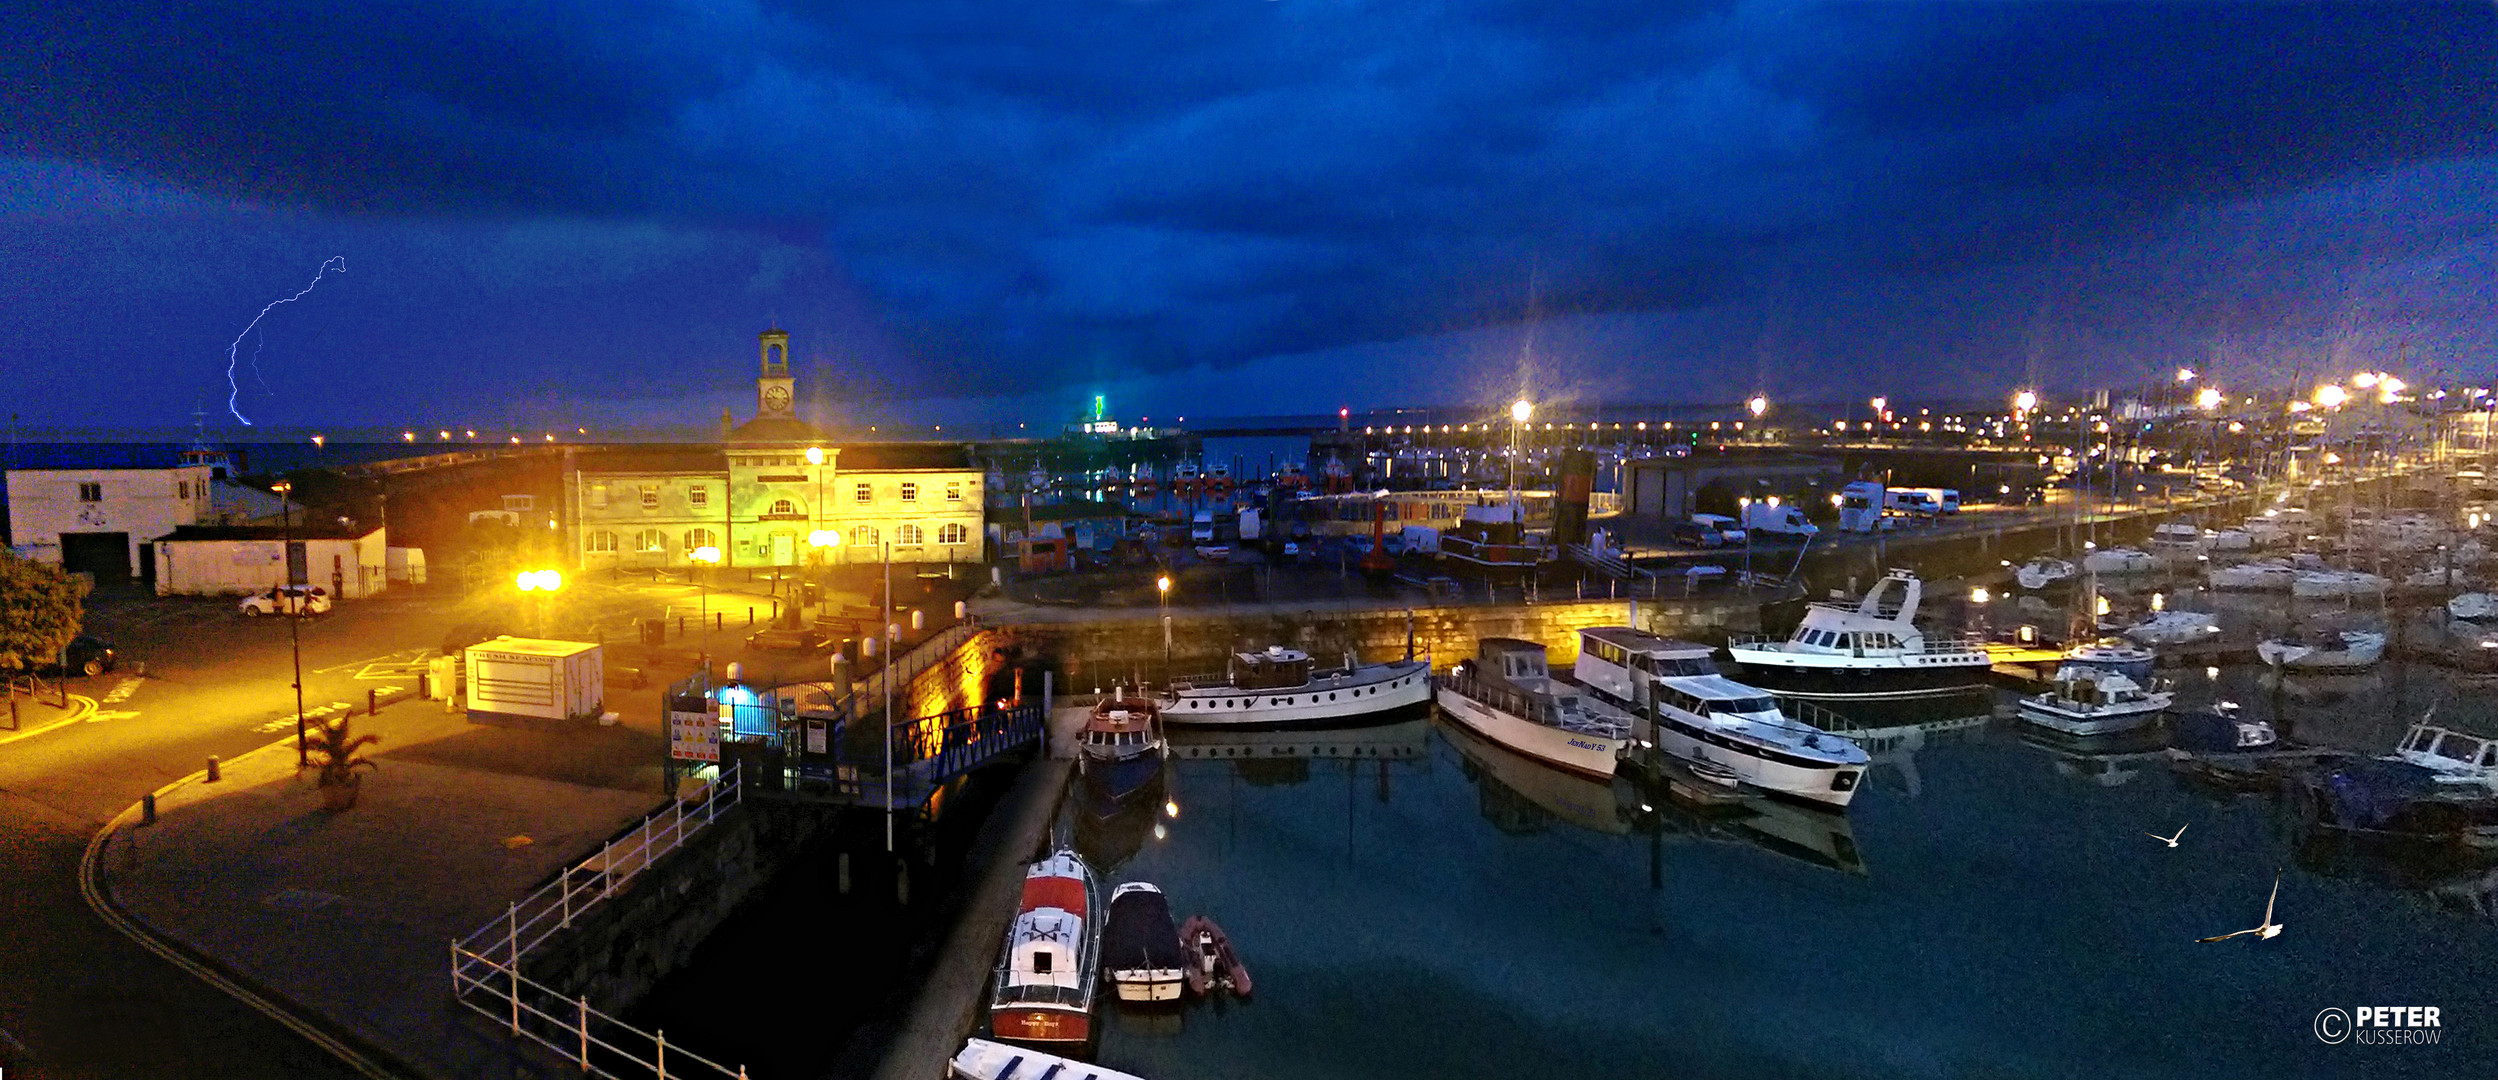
(774, 388)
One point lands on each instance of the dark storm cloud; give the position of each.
(1027, 194)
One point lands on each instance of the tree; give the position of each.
(39, 612)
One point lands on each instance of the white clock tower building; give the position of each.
(773, 388)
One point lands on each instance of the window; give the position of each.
(909, 536)
(1040, 963)
(650, 496)
(954, 491)
(954, 533)
(784, 508)
(700, 538)
(602, 540)
(910, 492)
(182, 490)
(90, 493)
(863, 536)
(598, 496)
(651, 540)
(864, 494)
(517, 503)
(698, 496)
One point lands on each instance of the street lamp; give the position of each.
(1162, 596)
(707, 556)
(1757, 406)
(1519, 412)
(2024, 401)
(2331, 395)
(295, 618)
(2209, 399)
(815, 460)
(546, 582)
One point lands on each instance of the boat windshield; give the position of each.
(1674, 665)
(1743, 705)
(2457, 748)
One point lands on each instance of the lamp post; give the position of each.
(1519, 411)
(294, 618)
(545, 583)
(823, 541)
(815, 461)
(1162, 596)
(705, 556)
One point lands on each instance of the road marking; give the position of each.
(77, 712)
(395, 656)
(101, 715)
(91, 890)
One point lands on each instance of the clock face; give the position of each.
(776, 398)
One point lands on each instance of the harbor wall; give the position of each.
(619, 949)
(1097, 653)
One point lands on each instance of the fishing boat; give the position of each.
(2089, 701)
(2175, 628)
(980, 1059)
(2460, 759)
(1689, 711)
(1213, 967)
(1871, 649)
(1043, 992)
(2111, 654)
(2267, 575)
(1121, 749)
(1280, 687)
(1141, 946)
(2120, 560)
(2473, 607)
(2221, 730)
(2332, 584)
(1507, 694)
(2323, 650)
(2043, 574)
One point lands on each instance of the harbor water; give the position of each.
(1414, 902)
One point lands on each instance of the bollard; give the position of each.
(212, 769)
(680, 626)
(919, 619)
(750, 614)
(844, 873)
(372, 700)
(719, 615)
(147, 809)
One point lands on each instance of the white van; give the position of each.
(1945, 500)
(1729, 531)
(1765, 518)
(1201, 531)
(1910, 501)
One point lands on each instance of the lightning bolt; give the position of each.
(234, 391)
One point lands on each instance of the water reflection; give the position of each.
(2103, 760)
(1521, 797)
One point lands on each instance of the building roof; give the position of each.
(879, 456)
(302, 530)
(653, 459)
(774, 430)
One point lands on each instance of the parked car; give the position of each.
(1693, 534)
(288, 600)
(86, 655)
(779, 640)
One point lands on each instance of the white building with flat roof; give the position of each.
(101, 521)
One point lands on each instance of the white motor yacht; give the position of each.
(1279, 688)
(2323, 650)
(1679, 702)
(1870, 649)
(981, 1059)
(2094, 701)
(2175, 628)
(2120, 560)
(1508, 694)
(2041, 574)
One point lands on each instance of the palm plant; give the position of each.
(333, 750)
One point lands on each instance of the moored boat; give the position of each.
(1507, 694)
(2323, 650)
(2120, 560)
(1044, 987)
(1281, 687)
(2330, 584)
(980, 1059)
(2112, 654)
(1870, 649)
(2044, 574)
(2221, 730)
(1213, 967)
(2473, 607)
(2175, 628)
(1141, 946)
(2267, 575)
(1121, 749)
(1693, 713)
(2089, 701)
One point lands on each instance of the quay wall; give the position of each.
(619, 949)
(1100, 652)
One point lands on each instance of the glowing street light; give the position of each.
(1881, 403)
(1519, 411)
(2024, 401)
(2365, 379)
(2209, 399)
(540, 580)
(1757, 406)
(2331, 395)
(2185, 374)
(1162, 599)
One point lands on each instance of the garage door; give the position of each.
(104, 554)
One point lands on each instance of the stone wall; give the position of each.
(620, 948)
(1098, 653)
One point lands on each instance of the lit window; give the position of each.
(863, 536)
(652, 540)
(698, 495)
(90, 493)
(910, 492)
(598, 496)
(909, 536)
(865, 493)
(602, 540)
(784, 507)
(954, 491)
(650, 496)
(954, 533)
(700, 538)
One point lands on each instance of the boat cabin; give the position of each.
(1046, 950)
(2454, 754)
(1609, 654)
(1519, 663)
(2096, 686)
(1278, 668)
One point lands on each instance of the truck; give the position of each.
(536, 679)
(1774, 519)
(1860, 507)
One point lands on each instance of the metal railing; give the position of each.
(916, 660)
(599, 1044)
(528, 922)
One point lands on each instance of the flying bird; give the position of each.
(2270, 929)
(2169, 840)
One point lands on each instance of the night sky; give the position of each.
(559, 214)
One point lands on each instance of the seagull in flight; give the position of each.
(2169, 840)
(2270, 929)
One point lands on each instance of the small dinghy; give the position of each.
(980, 1059)
(1212, 966)
(2040, 575)
(2473, 607)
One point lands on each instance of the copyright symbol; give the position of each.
(2333, 1025)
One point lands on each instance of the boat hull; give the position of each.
(1117, 783)
(1148, 987)
(1831, 784)
(1406, 691)
(1042, 1024)
(1580, 752)
(2100, 721)
(1799, 675)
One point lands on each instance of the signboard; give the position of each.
(693, 736)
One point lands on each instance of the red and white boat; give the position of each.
(1046, 981)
